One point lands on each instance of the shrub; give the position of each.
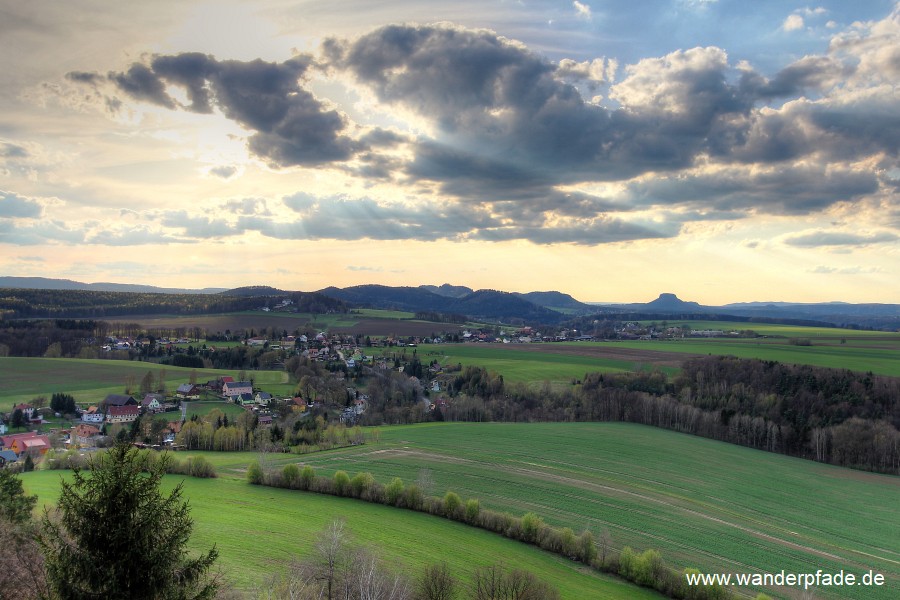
(587, 551)
(472, 510)
(341, 483)
(393, 491)
(307, 476)
(361, 485)
(568, 544)
(198, 466)
(255, 473)
(413, 497)
(290, 475)
(532, 526)
(452, 505)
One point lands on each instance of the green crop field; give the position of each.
(774, 329)
(702, 503)
(259, 530)
(517, 363)
(880, 356)
(90, 381)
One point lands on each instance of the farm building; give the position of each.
(188, 391)
(122, 414)
(233, 389)
(118, 400)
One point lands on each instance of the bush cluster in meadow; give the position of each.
(193, 466)
(646, 569)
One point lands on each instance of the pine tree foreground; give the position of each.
(115, 536)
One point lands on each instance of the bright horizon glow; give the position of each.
(723, 152)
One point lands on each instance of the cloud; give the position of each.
(11, 150)
(793, 23)
(823, 270)
(197, 227)
(39, 233)
(291, 126)
(816, 239)
(139, 235)
(356, 268)
(13, 206)
(224, 171)
(777, 190)
(582, 11)
(491, 140)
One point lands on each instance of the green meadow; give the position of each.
(259, 530)
(878, 355)
(534, 363)
(90, 380)
(702, 503)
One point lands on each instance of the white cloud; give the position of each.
(793, 23)
(582, 11)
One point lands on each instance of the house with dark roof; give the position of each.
(118, 400)
(244, 399)
(188, 391)
(6, 457)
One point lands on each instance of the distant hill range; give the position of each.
(43, 283)
(839, 314)
(478, 304)
(548, 307)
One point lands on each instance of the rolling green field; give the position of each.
(774, 329)
(517, 363)
(878, 355)
(258, 531)
(90, 381)
(702, 503)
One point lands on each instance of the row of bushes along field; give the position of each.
(646, 568)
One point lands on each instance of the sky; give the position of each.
(721, 150)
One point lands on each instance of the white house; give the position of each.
(232, 389)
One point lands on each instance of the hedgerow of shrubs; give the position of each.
(193, 466)
(646, 569)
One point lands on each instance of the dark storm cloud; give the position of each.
(794, 191)
(830, 238)
(141, 83)
(84, 77)
(291, 126)
(809, 73)
(503, 110)
(513, 136)
(13, 206)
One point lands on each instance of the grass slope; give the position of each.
(258, 530)
(91, 380)
(702, 503)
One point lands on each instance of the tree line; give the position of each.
(829, 415)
